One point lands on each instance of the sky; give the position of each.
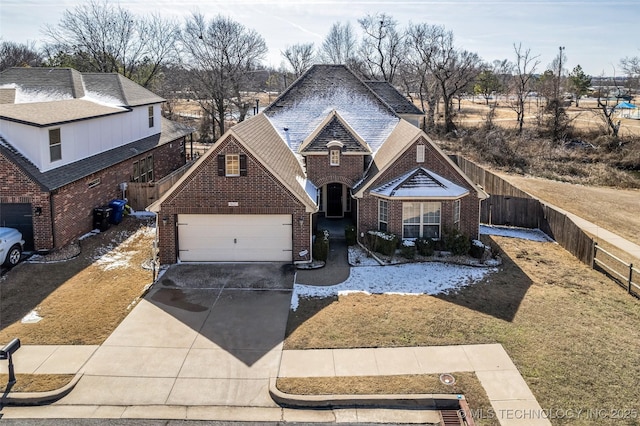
(596, 34)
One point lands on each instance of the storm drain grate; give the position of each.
(450, 418)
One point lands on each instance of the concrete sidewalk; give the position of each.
(510, 397)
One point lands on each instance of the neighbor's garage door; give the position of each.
(19, 216)
(234, 238)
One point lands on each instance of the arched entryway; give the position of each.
(335, 200)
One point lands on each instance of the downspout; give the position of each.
(51, 217)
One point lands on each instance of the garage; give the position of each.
(18, 216)
(234, 238)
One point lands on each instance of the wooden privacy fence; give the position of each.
(142, 194)
(511, 206)
(622, 272)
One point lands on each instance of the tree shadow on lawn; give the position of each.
(26, 285)
(498, 294)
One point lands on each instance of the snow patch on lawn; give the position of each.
(512, 232)
(114, 255)
(408, 279)
(31, 318)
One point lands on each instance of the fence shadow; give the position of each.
(498, 295)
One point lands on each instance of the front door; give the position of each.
(334, 200)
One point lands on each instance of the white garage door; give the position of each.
(234, 238)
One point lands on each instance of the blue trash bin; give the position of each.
(117, 211)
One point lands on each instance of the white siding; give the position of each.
(81, 139)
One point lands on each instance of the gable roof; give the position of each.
(61, 176)
(334, 128)
(395, 99)
(403, 136)
(55, 84)
(258, 136)
(306, 103)
(420, 183)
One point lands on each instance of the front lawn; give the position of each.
(572, 333)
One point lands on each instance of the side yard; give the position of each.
(78, 301)
(572, 333)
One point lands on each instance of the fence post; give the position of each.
(593, 258)
(630, 276)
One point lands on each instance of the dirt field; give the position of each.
(82, 300)
(616, 210)
(572, 333)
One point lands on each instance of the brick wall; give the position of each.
(469, 207)
(73, 204)
(204, 192)
(16, 187)
(321, 172)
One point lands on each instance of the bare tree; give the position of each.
(524, 67)
(608, 111)
(104, 37)
(221, 53)
(19, 55)
(631, 67)
(454, 69)
(421, 47)
(382, 48)
(300, 57)
(339, 46)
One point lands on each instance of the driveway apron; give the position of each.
(205, 334)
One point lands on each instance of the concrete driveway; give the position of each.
(206, 334)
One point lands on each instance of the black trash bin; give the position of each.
(117, 211)
(101, 216)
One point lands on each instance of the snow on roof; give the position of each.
(25, 96)
(367, 118)
(420, 182)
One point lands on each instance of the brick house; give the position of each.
(68, 142)
(331, 145)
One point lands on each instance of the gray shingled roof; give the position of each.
(63, 82)
(419, 183)
(69, 173)
(334, 130)
(395, 99)
(323, 88)
(48, 84)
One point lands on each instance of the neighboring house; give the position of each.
(331, 145)
(69, 141)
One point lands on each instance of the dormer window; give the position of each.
(334, 152)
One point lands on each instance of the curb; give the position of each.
(39, 398)
(406, 401)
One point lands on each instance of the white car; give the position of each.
(11, 245)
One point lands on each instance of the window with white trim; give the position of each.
(383, 215)
(456, 214)
(232, 165)
(151, 121)
(421, 220)
(55, 145)
(420, 153)
(334, 157)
